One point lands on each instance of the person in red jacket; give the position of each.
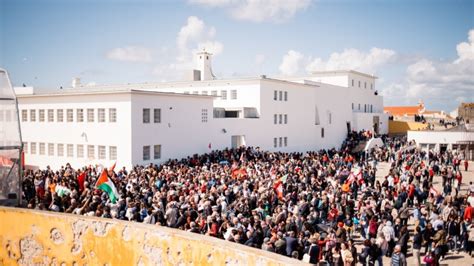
(468, 212)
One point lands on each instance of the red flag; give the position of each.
(209, 146)
(80, 179)
(278, 187)
(239, 173)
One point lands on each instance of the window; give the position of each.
(233, 94)
(371, 86)
(79, 115)
(24, 115)
(90, 151)
(196, 92)
(286, 96)
(275, 141)
(113, 152)
(204, 115)
(33, 147)
(285, 141)
(352, 83)
(60, 149)
(322, 132)
(33, 115)
(101, 152)
(359, 83)
(101, 115)
(275, 119)
(157, 115)
(285, 119)
(371, 108)
(112, 115)
(42, 148)
(41, 115)
(50, 115)
(146, 115)
(280, 140)
(280, 119)
(223, 95)
(59, 115)
(280, 95)
(275, 95)
(69, 115)
(214, 93)
(204, 92)
(365, 85)
(352, 106)
(50, 149)
(90, 115)
(80, 151)
(365, 108)
(70, 150)
(359, 106)
(157, 152)
(146, 153)
(329, 117)
(186, 92)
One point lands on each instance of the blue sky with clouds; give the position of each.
(419, 49)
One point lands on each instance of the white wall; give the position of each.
(364, 121)
(106, 134)
(181, 132)
(439, 137)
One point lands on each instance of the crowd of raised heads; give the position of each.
(312, 206)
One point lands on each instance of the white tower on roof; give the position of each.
(204, 65)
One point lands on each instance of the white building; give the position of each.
(460, 138)
(153, 122)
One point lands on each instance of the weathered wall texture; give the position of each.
(398, 127)
(46, 238)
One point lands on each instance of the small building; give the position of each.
(460, 138)
(466, 112)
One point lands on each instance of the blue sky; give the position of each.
(413, 46)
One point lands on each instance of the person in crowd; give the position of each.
(292, 204)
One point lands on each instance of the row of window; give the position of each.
(156, 152)
(280, 119)
(365, 84)
(156, 115)
(280, 96)
(58, 150)
(280, 142)
(233, 94)
(57, 115)
(368, 108)
(204, 115)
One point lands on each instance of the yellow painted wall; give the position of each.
(398, 127)
(46, 238)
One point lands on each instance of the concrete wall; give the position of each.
(402, 127)
(46, 238)
(439, 137)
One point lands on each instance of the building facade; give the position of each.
(153, 122)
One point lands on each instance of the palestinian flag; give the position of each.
(105, 184)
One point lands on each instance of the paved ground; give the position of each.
(460, 259)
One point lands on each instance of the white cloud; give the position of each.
(291, 63)
(442, 83)
(354, 59)
(258, 10)
(130, 54)
(466, 50)
(194, 36)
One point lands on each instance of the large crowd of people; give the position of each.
(312, 206)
